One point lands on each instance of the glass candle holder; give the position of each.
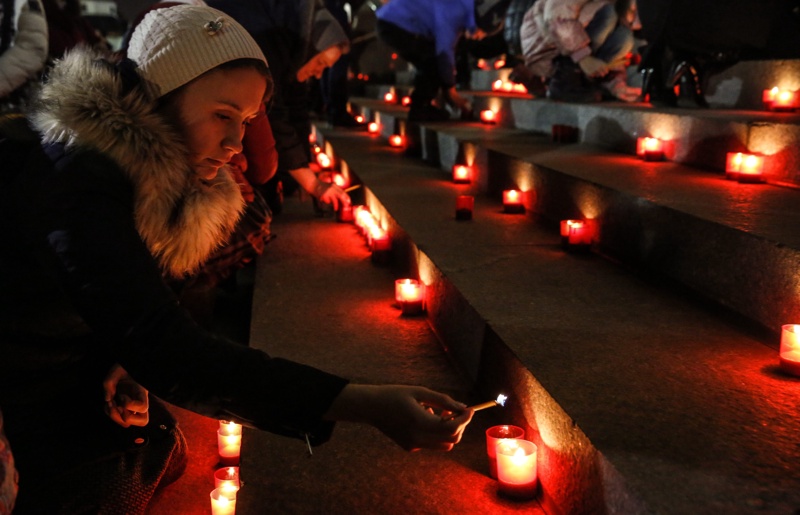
(493, 436)
(227, 477)
(516, 468)
(465, 204)
(790, 349)
(223, 501)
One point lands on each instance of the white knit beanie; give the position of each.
(174, 45)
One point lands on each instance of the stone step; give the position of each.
(696, 137)
(642, 398)
(733, 243)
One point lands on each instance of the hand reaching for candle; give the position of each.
(126, 400)
(414, 417)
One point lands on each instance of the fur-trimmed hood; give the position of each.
(181, 219)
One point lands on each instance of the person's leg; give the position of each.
(610, 40)
(420, 52)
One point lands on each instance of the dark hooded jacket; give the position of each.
(97, 208)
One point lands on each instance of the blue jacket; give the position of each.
(442, 21)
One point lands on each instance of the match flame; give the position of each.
(501, 399)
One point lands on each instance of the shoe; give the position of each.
(569, 84)
(427, 113)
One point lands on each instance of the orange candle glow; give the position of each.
(488, 116)
(229, 442)
(777, 99)
(397, 140)
(462, 174)
(410, 295)
(650, 149)
(516, 468)
(339, 180)
(359, 118)
(493, 436)
(519, 88)
(380, 244)
(389, 97)
(499, 64)
(223, 501)
(406, 101)
(227, 477)
(373, 128)
(324, 160)
(790, 349)
(464, 207)
(497, 85)
(512, 201)
(576, 235)
(744, 167)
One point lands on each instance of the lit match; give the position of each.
(500, 401)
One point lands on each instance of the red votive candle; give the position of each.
(576, 235)
(397, 140)
(409, 294)
(494, 435)
(512, 201)
(373, 128)
(783, 100)
(516, 468)
(227, 477)
(406, 101)
(462, 174)
(345, 213)
(497, 85)
(359, 118)
(380, 245)
(650, 149)
(324, 160)
(744, 167)
(488, 116)
(389, 97)
(464, 207)
(790, 349)
(229, 443)
(223, 501)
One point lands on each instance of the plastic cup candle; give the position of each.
(512, 201)
(493, 436)
(488, 116)
(324, 160)
(397, 140)
(790, 349)
(229, 442)
(373, 128)
(380, 245)
(462, 174)
(464, 207)
(576, 234)
(409, 294)
(777, 99)
(223, 501)
(650, 149)
(227, 477)
(345, 213)
(516, 468)
(744, 167)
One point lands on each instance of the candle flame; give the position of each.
(501, 400)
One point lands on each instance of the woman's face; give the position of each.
(213, 111)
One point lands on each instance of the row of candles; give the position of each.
(226, 479)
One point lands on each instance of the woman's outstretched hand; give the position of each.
(413, 416)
